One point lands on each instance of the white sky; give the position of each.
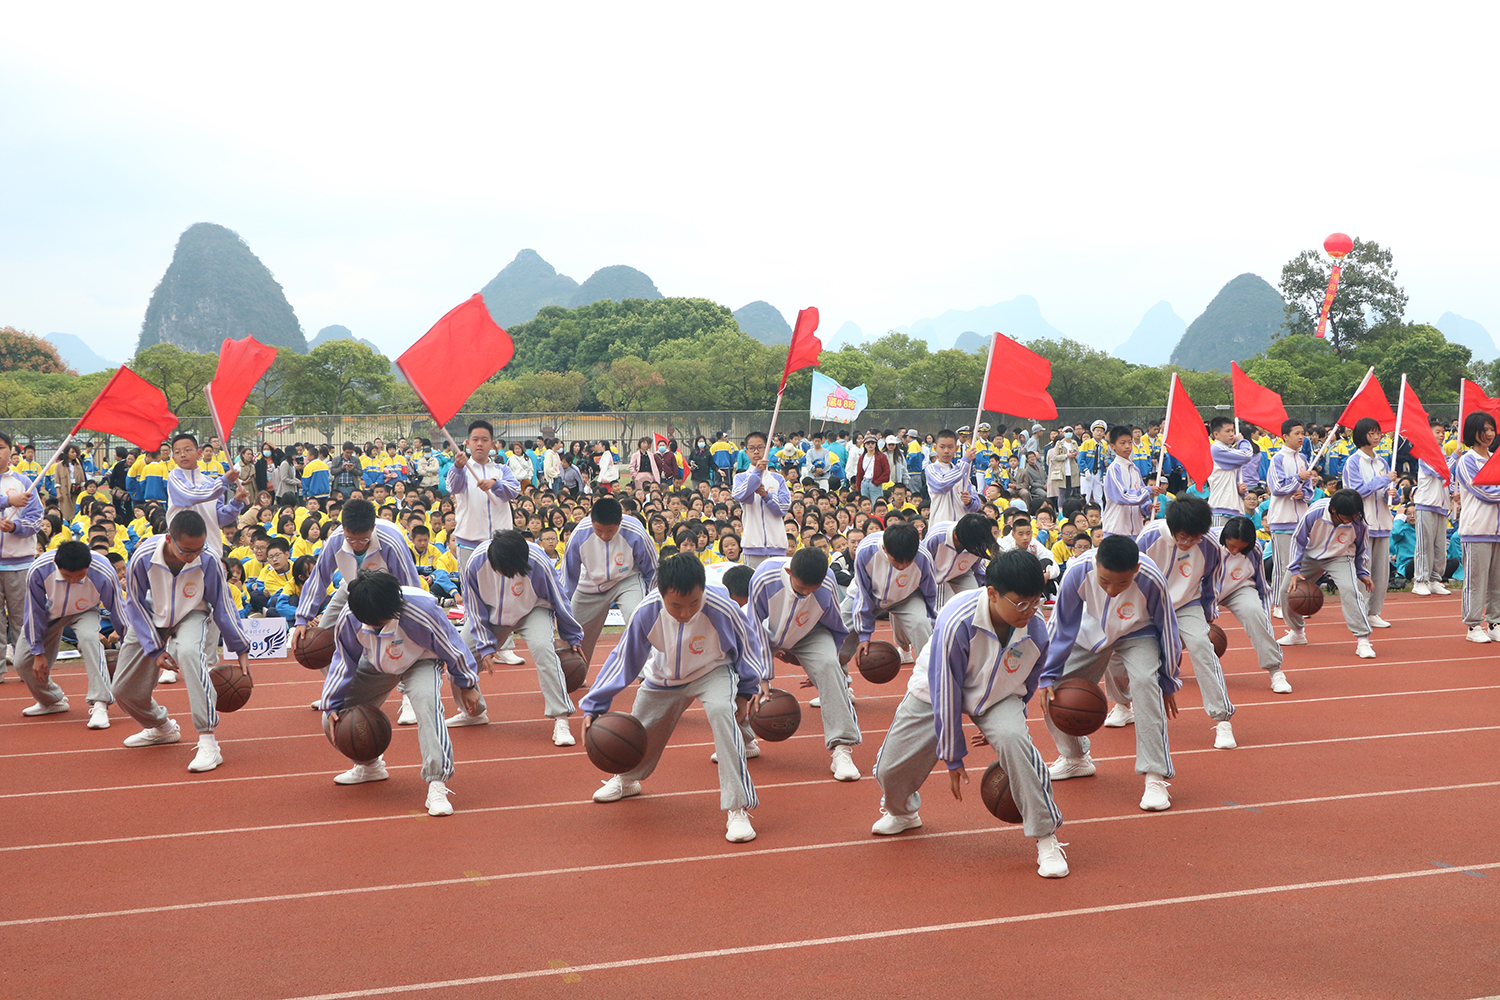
(882, 162)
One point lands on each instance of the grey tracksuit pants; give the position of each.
(1193, 628)
(948, 591)
(1281, 554)
(909, 622)
(86, 625)
(1351, 593)
(194, 644)
(1248, 610)
(590, 610)
(539, 629)
(1481, 583)
(658, 709)
(1432, 547)
(1141, 656)
(819, 658)
(423, 684)
(13, 596)
(1380, 571)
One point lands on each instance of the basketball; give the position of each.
(314, 650)
(575, 668)
(616, 742)
(361, 734)
(994, 788)
(1304, 598)
(880, 664)
(1218, 638)
(777, 717)
(1078, 706)
(232, 685)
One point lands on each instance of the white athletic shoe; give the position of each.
(1420, 589)
(167, 677)
(437, 799)
(890, 823)
(1378, 622)
(752, 750)
(843, 767)
(208, 756)
(1051, 862)
(1364, 650)
(461, 718)
(562, 733)
(40, 709)
(167, 732)
(1277, 612)
(1224, 736)
(906, 655)
(98, 715)
(508, 657)
(1279, 683)
(408, 715)
(10, 653)
(1438, 588)
(1156, 798)
(1293, 637)
(361, 773)
(1494, 633)
(617, 788)
(816, 703)
(1478, 634)
(739, 830)
(1119, 717)
(1064, 768)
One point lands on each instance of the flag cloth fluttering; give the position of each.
(1416, 428)
(1017, 381)
(241, 364)
(132, 408)
(455, 357)
(805, 346)
(1472, 399)
(1255, 403)
(1185, 437)
(1369, 401)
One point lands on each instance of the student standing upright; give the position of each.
(1432, 501)
(764, 499)
(1289, 478)
(1369, 475)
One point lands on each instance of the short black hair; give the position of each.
(358, 516)
(1474, 425)
(681, 573)
(1118, 554)
(73, 556)
(1362, 428)
(1118, 431)
(1289, 423)
(1217, 423)
(737, 580)
(375, 598)
(1239, 528)
(1348, 503)
(975, 534)
(901, 541)
(946, 433)
(606, 511)
(279, 543)
(509, 554)
(187, 524)
(483, 425)
(420, 529)
(755, 434)
(809, 565)
(1016, 571)
(1188, 515)
(184, 435)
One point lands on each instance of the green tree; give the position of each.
(23, 351)
(16, 400)
(945, 379)
(1368, 296)
(1279, 376)
(180, 375)
(341, 376)
(1431, 364)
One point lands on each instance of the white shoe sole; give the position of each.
(914, 823)
(1289, 640)
(625, 793)
(35, 712)
(202, 764)
(739, 836)
(344, 779)
(463, 721)
(1481, 637)
(1073, 772)
(135, 742)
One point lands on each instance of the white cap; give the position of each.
(1098, 423)
(892, 440)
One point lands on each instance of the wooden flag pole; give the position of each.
(979, 411)
(771, 433)
(1166, 427)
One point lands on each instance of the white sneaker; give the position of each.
(1224, 736)
(739, 830)
(1494, 633)
(1364, 650)
(562, 733)
(437, 799)
(208, 756)
(1051, 862)
(506, 656)
(752, 751)
(1064, 768)
(10, 653)
(167, 677)
(816, 703)
(1293, 637)
(843, 767)
(408, 715)
(1438, 588)
(1277, 612)
(98, 715)
(1119, 717)
(1156, 798)
(906, 655)
(461, 718)
(361, 773)
(167, 732)
(617, 788)
(40, 709)
(1478, 634)
(1420, 589)
(1378, 622)
(1279, 683)
(890, 823)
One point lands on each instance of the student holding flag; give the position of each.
(1367, 474)
(1432, 502)
(1479, 529)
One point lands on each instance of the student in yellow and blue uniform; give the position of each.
(134, 483)
(369, 467)
(1140, 452)
(316, 478)
(310, 538)
(436, 568)
(212, 462)
(154, 476)
(27, 464)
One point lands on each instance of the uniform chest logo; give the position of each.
(189, 590)
(1125, 611)
(1186, 569)
(1238, 573)
(394, 651)
(80, 605)
(697, 644)
(901, 581)
(620, 559)
(802, 617)
(1011, 661)
(518, 588)
(1341, 536)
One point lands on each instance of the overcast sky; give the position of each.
(884, 163)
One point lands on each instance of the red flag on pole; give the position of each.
(241, 364)
(1184, 436)
(1369, 401)
(455, 357)
(1255, 403)
(1472, 399)
(1489, 473)
(131, 407)
(1416, 428)
(1016, 381)
(805, 347)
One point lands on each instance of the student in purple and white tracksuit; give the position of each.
(958, 552)
(794, 604)
(764, 499)
(393, 636)
(1113, 601)
(949, 482)
(1367, 474)
(210, 496)
(1331, 539)
(985, 661)
(608, 558)
(509, 586)
(362, 543)
(1231, 453)
(20, 516)
(1433, 499)
(482, 491)
(65, 589)
(1479, 531)
(1127, 498)
(892, 573)
(1244, 592)
(704, 653)
(1291, 492)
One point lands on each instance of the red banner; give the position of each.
(1333, 286)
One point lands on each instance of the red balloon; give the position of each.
(1338, 245)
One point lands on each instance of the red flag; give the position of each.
(1489, 473)
(241, 364)
(1016, 380)
(455, 357)
(803, 353)
(660, 439)
(131, 407)
(1416, 428)
(1256, 403)
(1369, 401)
(1472, 399)
(1185, 437)
(1333, 287)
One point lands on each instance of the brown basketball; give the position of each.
(880, 664)
(1304, 598)
(1218, 638)
(616, 742)
(776, 718)
(1078, 706)
(314, 650)
(994, 788)
(575, 668)
(232, 685)
(361, 734)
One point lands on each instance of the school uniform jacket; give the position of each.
(594, 566)
(1290, 493)
(949, 562)
(388, 552)
(1127, 500)
(18, 548)
(1192, 576)
(1479, 513)
(503, 601)
(945, 483)
(1432, 494)
(1370, 477)
(50, 597)
(421, 632)
(210, 496)
(764, 530)
(878, 585)
(1247, 569)
(155, 599)
(1224, 481)
(478, 513)
(783, 616)
(1318, 538)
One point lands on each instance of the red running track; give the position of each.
(1347, 849)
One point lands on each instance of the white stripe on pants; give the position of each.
(1141, 656)
(948, 591)
(85, 625)
(1193, 628)
(1481, 583)
(1380, 572)
(539, 630)
(1351, 593)
(909, 752)
(1432, 547)
(423, 684)
(1281, 554)
(194, 644)
(1245, 604)
(590, 610)
(658, 709)
(820, 661)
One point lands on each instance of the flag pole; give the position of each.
(1166, 426)
(774, 414)
(983, 386)
(1396, 437)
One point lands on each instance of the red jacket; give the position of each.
(882, 470)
